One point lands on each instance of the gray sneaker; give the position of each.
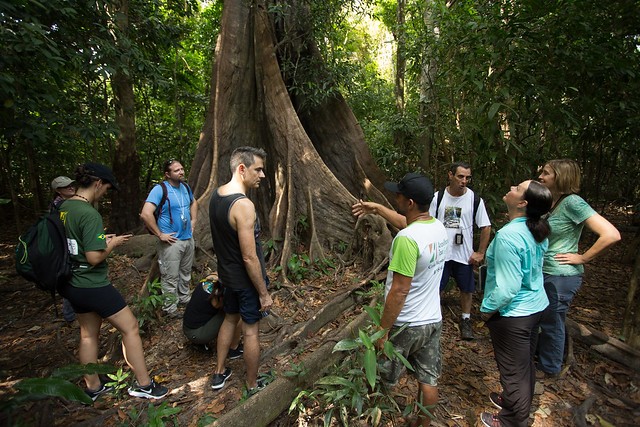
(466, 331)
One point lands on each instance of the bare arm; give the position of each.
(243, 218)
(150, 221)
(194, 214)
(96, 257)
(607, 236)
(392, 217)
(478, 256)
(393, 303)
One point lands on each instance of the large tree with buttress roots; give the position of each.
(318, 162)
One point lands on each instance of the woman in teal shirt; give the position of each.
(563, 265)
(514, 300)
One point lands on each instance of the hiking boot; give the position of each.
(235, 353)
(490, 420)
(218, 380)
(496, 399)
(152, 391)
(466, 331)
(261, 383)
(94, 394)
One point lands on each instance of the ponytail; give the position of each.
(539, 201)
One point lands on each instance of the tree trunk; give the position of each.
(428, 108)
(250, 105)
(126, 163)
(399, 33)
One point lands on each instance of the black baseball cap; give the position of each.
(103, 172)
(413, 186)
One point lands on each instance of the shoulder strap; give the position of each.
(439, 200)
(163, 199)
(476, 203)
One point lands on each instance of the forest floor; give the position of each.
(35, 342)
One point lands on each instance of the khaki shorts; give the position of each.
(420, 345)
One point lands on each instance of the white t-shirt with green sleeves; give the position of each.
(419, 251)
(566, 221)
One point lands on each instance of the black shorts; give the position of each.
(244, 301)
(105, 301)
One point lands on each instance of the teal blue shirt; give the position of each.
(566, 221)
(514, 284)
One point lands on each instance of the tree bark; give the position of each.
(126, 163)
(250, 105)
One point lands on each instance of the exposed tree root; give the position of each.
(607, 346)
(268, 404)
(580, 413)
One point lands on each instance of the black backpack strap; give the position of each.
(476, 203)
(164, 199)
(439, 200)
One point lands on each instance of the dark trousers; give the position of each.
(514, 345)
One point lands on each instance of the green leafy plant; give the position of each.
(156, 416)
(354, 390)
(271, 247)
(265, 377)
(297, 370)
(146, 307)
(205, 420)
(60, 384)
(298, 267)
(118, 381)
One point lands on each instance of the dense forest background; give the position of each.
(504, 85)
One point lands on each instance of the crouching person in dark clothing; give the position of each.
(204, 315)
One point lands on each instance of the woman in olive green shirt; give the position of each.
(89, 290)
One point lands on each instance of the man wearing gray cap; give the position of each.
(411, 316)
(64, 188)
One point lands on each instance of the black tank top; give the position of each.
(231, 269)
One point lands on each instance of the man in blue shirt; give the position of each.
(176, 219)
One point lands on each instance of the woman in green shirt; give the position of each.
(563, 265)
(89, 290)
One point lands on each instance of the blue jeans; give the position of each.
(560, 291)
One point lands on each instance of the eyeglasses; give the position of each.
(169, 162)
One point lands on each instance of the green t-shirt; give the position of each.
(85, 232)
(566, 221)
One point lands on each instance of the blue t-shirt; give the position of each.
(179, 199)
(515, 284)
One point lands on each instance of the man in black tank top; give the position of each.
(241, 269)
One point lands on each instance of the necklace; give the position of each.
(82, 197)
(181, 204)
